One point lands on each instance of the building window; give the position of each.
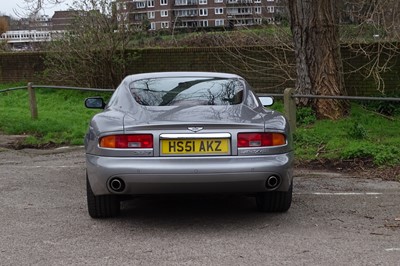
(219, 11)
(203, 23)
(244, 10)
(258, 21)
(186, 13)
(218, 1)
(181, 2)
(151, 15)
(165, 25)
(140, 4)
(257, 1)
(257, 10)
(202, 2)
(203, 12)
(163, 2)
(270, 9)
(164, 13)
(219, 22)
(150, 3)
(152, 26)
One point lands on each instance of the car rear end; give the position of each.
(189, 144)
(219, 158)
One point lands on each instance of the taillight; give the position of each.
(127, 141)
(260, 139)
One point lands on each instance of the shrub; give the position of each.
(357, 131)
(305, 116)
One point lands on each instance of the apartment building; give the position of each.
(28, 33)
(62, 20)
(178, 14)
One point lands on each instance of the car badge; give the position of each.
(195, 129)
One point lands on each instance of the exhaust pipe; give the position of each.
(273, 182)
(117, 184)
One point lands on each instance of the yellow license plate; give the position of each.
(195, 146)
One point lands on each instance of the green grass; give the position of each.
(63, 120)
(364, 134)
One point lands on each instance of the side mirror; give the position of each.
(95, 103)
(266, 101)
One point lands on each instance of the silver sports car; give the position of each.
(187, 132)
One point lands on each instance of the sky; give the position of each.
(7, 7)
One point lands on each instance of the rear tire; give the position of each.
(103, 206)
(274, 201)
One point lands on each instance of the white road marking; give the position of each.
(347, 193)
(392, 249)
(340, 193)
(69, 147)
(47, 166)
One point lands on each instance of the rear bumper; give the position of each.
(159, 175)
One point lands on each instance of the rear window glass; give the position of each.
(187, 91)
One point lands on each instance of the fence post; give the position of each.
(290, 107)
(32, 102)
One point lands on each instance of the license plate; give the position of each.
(195, 146)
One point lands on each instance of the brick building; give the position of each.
(178, 14)
(62, 20)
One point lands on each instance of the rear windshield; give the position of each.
(187, 91)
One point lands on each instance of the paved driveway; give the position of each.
(334, 220)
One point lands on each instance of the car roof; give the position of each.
(134, 77)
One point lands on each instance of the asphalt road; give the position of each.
(334, 220)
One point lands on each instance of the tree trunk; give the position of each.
(317, 51)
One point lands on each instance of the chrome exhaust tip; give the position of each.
(273, 182)
(117, 184)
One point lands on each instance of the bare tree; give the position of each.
(93, 52)
(308, 55)
(370, 30)
(373, 33)
(271, 60)
(318, 58)
(33, 7)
